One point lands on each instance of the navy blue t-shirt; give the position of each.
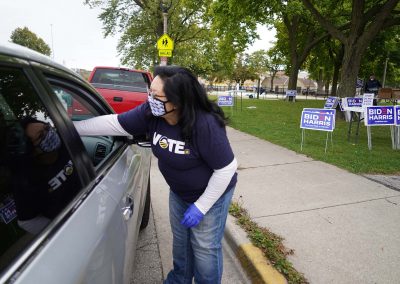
(186, 166)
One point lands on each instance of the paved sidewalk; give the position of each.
(344, 228)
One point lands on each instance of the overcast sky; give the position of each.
(72, 30)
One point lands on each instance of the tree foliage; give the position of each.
(24, 37)
(383, 51)
(140, 24)
(243, 69)
(355, 24)
(297, 32)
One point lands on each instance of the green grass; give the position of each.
(278, 121)
(269, 243)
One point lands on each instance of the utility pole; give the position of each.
(384, 70)
(164, 9)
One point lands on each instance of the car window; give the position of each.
(120, 77)
(37, 177)
(78, 107)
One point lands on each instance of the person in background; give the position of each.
(188, 136)
(372, 86)
(44, 180)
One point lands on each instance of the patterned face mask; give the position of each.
(157, 106)
(51, 141)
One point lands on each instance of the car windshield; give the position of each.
(120, 77)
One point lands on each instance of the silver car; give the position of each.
(70, 207)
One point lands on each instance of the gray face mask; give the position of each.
(50, 142)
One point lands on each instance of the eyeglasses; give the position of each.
(153, 95)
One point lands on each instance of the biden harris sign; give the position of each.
(380, 115)
(318, 119)
(225, 101)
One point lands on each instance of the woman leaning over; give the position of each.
(188, 136)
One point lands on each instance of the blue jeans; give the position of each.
(197, 252)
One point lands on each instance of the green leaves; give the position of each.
(24, 37)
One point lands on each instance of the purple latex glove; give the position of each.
(192, 217)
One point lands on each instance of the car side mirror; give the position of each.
(140, 140)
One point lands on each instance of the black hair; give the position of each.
(27, 120)
(184, 90)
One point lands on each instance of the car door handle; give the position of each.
(118, 99)
(127, 211)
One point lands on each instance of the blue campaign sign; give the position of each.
(331, 102)
(225, 101)
(317, 121)
(291, 93)
(397, 115)
(320, 110)
(379, 115)
(354, 102)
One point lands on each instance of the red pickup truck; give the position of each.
(122, 88)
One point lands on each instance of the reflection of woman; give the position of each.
(188, 137)
(44, 181)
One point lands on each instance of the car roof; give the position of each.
(19, 51)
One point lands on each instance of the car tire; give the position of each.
(146, 212)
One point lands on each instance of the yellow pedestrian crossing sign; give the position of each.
(165, 43)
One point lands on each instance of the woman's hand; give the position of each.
(192, 217)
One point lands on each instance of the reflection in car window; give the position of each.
(97, 147)
(37, 176)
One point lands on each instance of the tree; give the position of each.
(297, 32)
(383, 51)
(276, 63)
(141, 24)
(258, 63)
(243, 70)
(24, 37)
(365, 19)
(324, 64)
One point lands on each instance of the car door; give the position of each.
(87, 240)
(122, 170)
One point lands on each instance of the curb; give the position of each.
(253, 261)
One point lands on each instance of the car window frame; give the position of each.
(97, 102)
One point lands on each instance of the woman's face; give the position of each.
(156, 88)
(36, 131)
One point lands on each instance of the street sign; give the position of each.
(164, 53)
(165, 43)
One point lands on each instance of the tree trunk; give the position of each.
(350, 67)
(294, 73)
(272, 81)
(327, 88)
(337, 58)
(335, 78)
(320, 82)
